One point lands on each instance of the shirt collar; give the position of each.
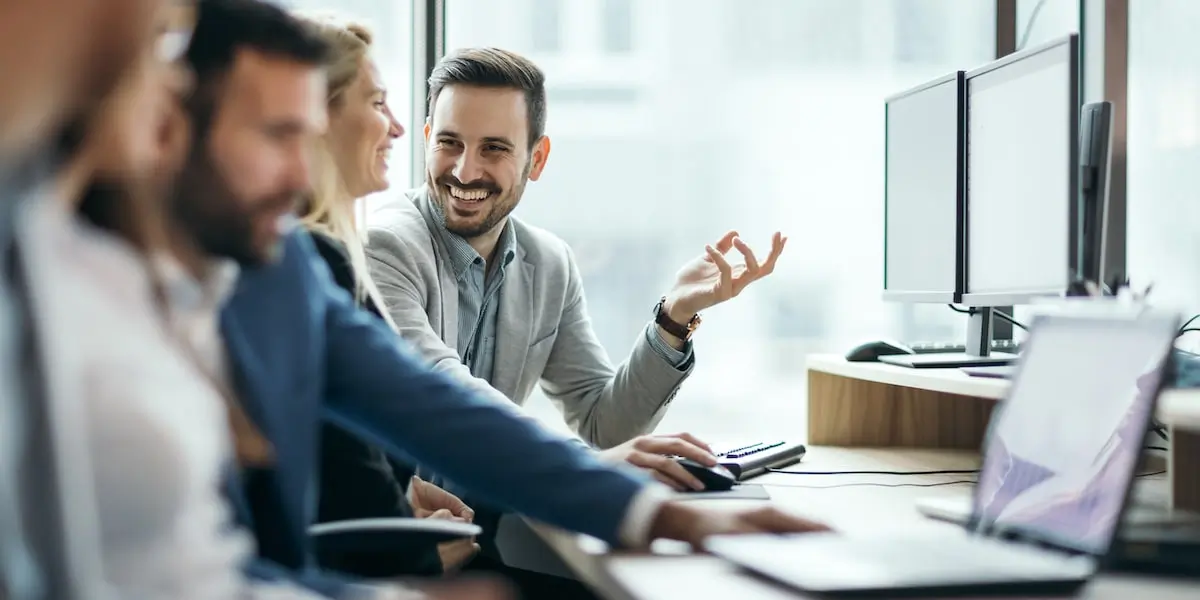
(462, 255)
(185, 292)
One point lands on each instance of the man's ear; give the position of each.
(539, 156)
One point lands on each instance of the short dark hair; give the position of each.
(225, 26)
(494, 68)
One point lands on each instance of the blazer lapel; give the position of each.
(514, 327)
(447, 285)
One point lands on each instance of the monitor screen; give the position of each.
(1062, 452)
(1021, 163)
(921, 194)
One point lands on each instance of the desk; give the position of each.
(669, 572)
(879, 405)
(916, 419)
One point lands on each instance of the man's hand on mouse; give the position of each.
(679, 521)
(656, 455)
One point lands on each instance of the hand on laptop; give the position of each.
(654, 453)
(432, 502)
(679, 521)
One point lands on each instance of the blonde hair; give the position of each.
(330, 209)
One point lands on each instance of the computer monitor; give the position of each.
(1022, 175)
(1095, 157)
(923, 192)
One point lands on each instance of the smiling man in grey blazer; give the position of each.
(500, 303)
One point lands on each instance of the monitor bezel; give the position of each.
(932, 296)
(1069, 42)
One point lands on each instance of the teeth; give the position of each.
(469, 195)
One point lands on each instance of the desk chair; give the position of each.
(387, 536)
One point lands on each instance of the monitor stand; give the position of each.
(978, 354)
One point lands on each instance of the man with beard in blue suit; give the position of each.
(293, 348)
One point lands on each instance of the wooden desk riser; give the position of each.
(879, 405)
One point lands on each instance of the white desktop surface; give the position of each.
(670, 572)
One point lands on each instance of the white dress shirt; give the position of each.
(157, 431)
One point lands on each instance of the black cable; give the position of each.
(869, 484)
(1152, 474)
(790, 472)
(1161, 431)
(1159, 448)
(1008, 317)
(965, 311)
(1029, 24)
(1188, 323)
(1187, 330)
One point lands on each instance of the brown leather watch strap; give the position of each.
(679, 330)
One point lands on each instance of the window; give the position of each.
(1043, 20)
(618, 26)
(748, 115)
(546, 26)
(1164, 152)
(390, 23)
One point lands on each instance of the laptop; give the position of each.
(1059, 461)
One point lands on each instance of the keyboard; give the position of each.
(754, 459)
(1005, 346)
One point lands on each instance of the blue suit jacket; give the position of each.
(302, 352)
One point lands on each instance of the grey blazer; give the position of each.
(543, 334)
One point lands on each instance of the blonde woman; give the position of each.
(358, 481)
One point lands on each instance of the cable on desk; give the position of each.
(999, 313)
(964, 311)
(1161, 431)
(1188, 323)
(874, 484)
(1007, 317)
(950, 472)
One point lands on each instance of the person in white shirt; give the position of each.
(126, 328)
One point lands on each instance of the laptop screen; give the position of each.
(1062, 450)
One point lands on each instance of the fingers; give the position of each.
(676, 446)
(722, 265)
(778, 242)
(666, 480)
(755, 270)
(693, 440)
(455, 554)
(748, 256)
(726, 242)
(443, 514)
(668, 467)
(772, 520)
(431, 497)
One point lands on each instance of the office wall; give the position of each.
(1164, 152)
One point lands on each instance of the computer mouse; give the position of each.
(871, 351)
(715, 479)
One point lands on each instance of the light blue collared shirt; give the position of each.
(478, 301)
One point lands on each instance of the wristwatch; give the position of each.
(681, 331)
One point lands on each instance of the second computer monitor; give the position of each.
(923, 192)
(1022, 175)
